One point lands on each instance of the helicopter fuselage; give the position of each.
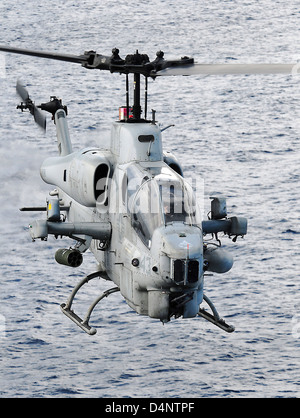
(130, 204)
(155, 251)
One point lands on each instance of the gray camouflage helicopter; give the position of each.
(130, 204)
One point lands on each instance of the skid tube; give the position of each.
(215, 318)
(84, 323)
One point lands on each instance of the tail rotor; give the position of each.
(28, 104)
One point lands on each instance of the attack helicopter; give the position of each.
(130, 204)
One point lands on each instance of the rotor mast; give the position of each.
(135, 64)
(139, 64)
(137, 109)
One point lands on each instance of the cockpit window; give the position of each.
(177, 198)
(158, 197)
(146, 211)
(177, 202)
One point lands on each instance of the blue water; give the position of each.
(239, 133)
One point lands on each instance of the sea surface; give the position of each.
(238, 133)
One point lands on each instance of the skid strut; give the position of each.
(84, 323)
(215, 318)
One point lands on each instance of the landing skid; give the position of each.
(84, 323)
(215, 318)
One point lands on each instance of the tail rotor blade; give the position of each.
(27, 103)
(22, 91)
(39, 118)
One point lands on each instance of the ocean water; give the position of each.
(238, 133)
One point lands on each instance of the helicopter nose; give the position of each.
(180, 249)
(178, 241)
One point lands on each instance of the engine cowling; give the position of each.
(82, 175)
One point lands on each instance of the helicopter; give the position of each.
(130, 204)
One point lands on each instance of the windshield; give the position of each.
(146, 211)
(177, 201)
(158, 197)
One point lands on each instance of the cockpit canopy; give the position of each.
(158, 197)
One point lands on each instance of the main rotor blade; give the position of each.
(221, 69)
(79, 59)
(92, 60)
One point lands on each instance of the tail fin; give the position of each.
(62, 132)
(59, 113)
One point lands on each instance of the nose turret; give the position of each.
(179, 249)
(182, 246)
